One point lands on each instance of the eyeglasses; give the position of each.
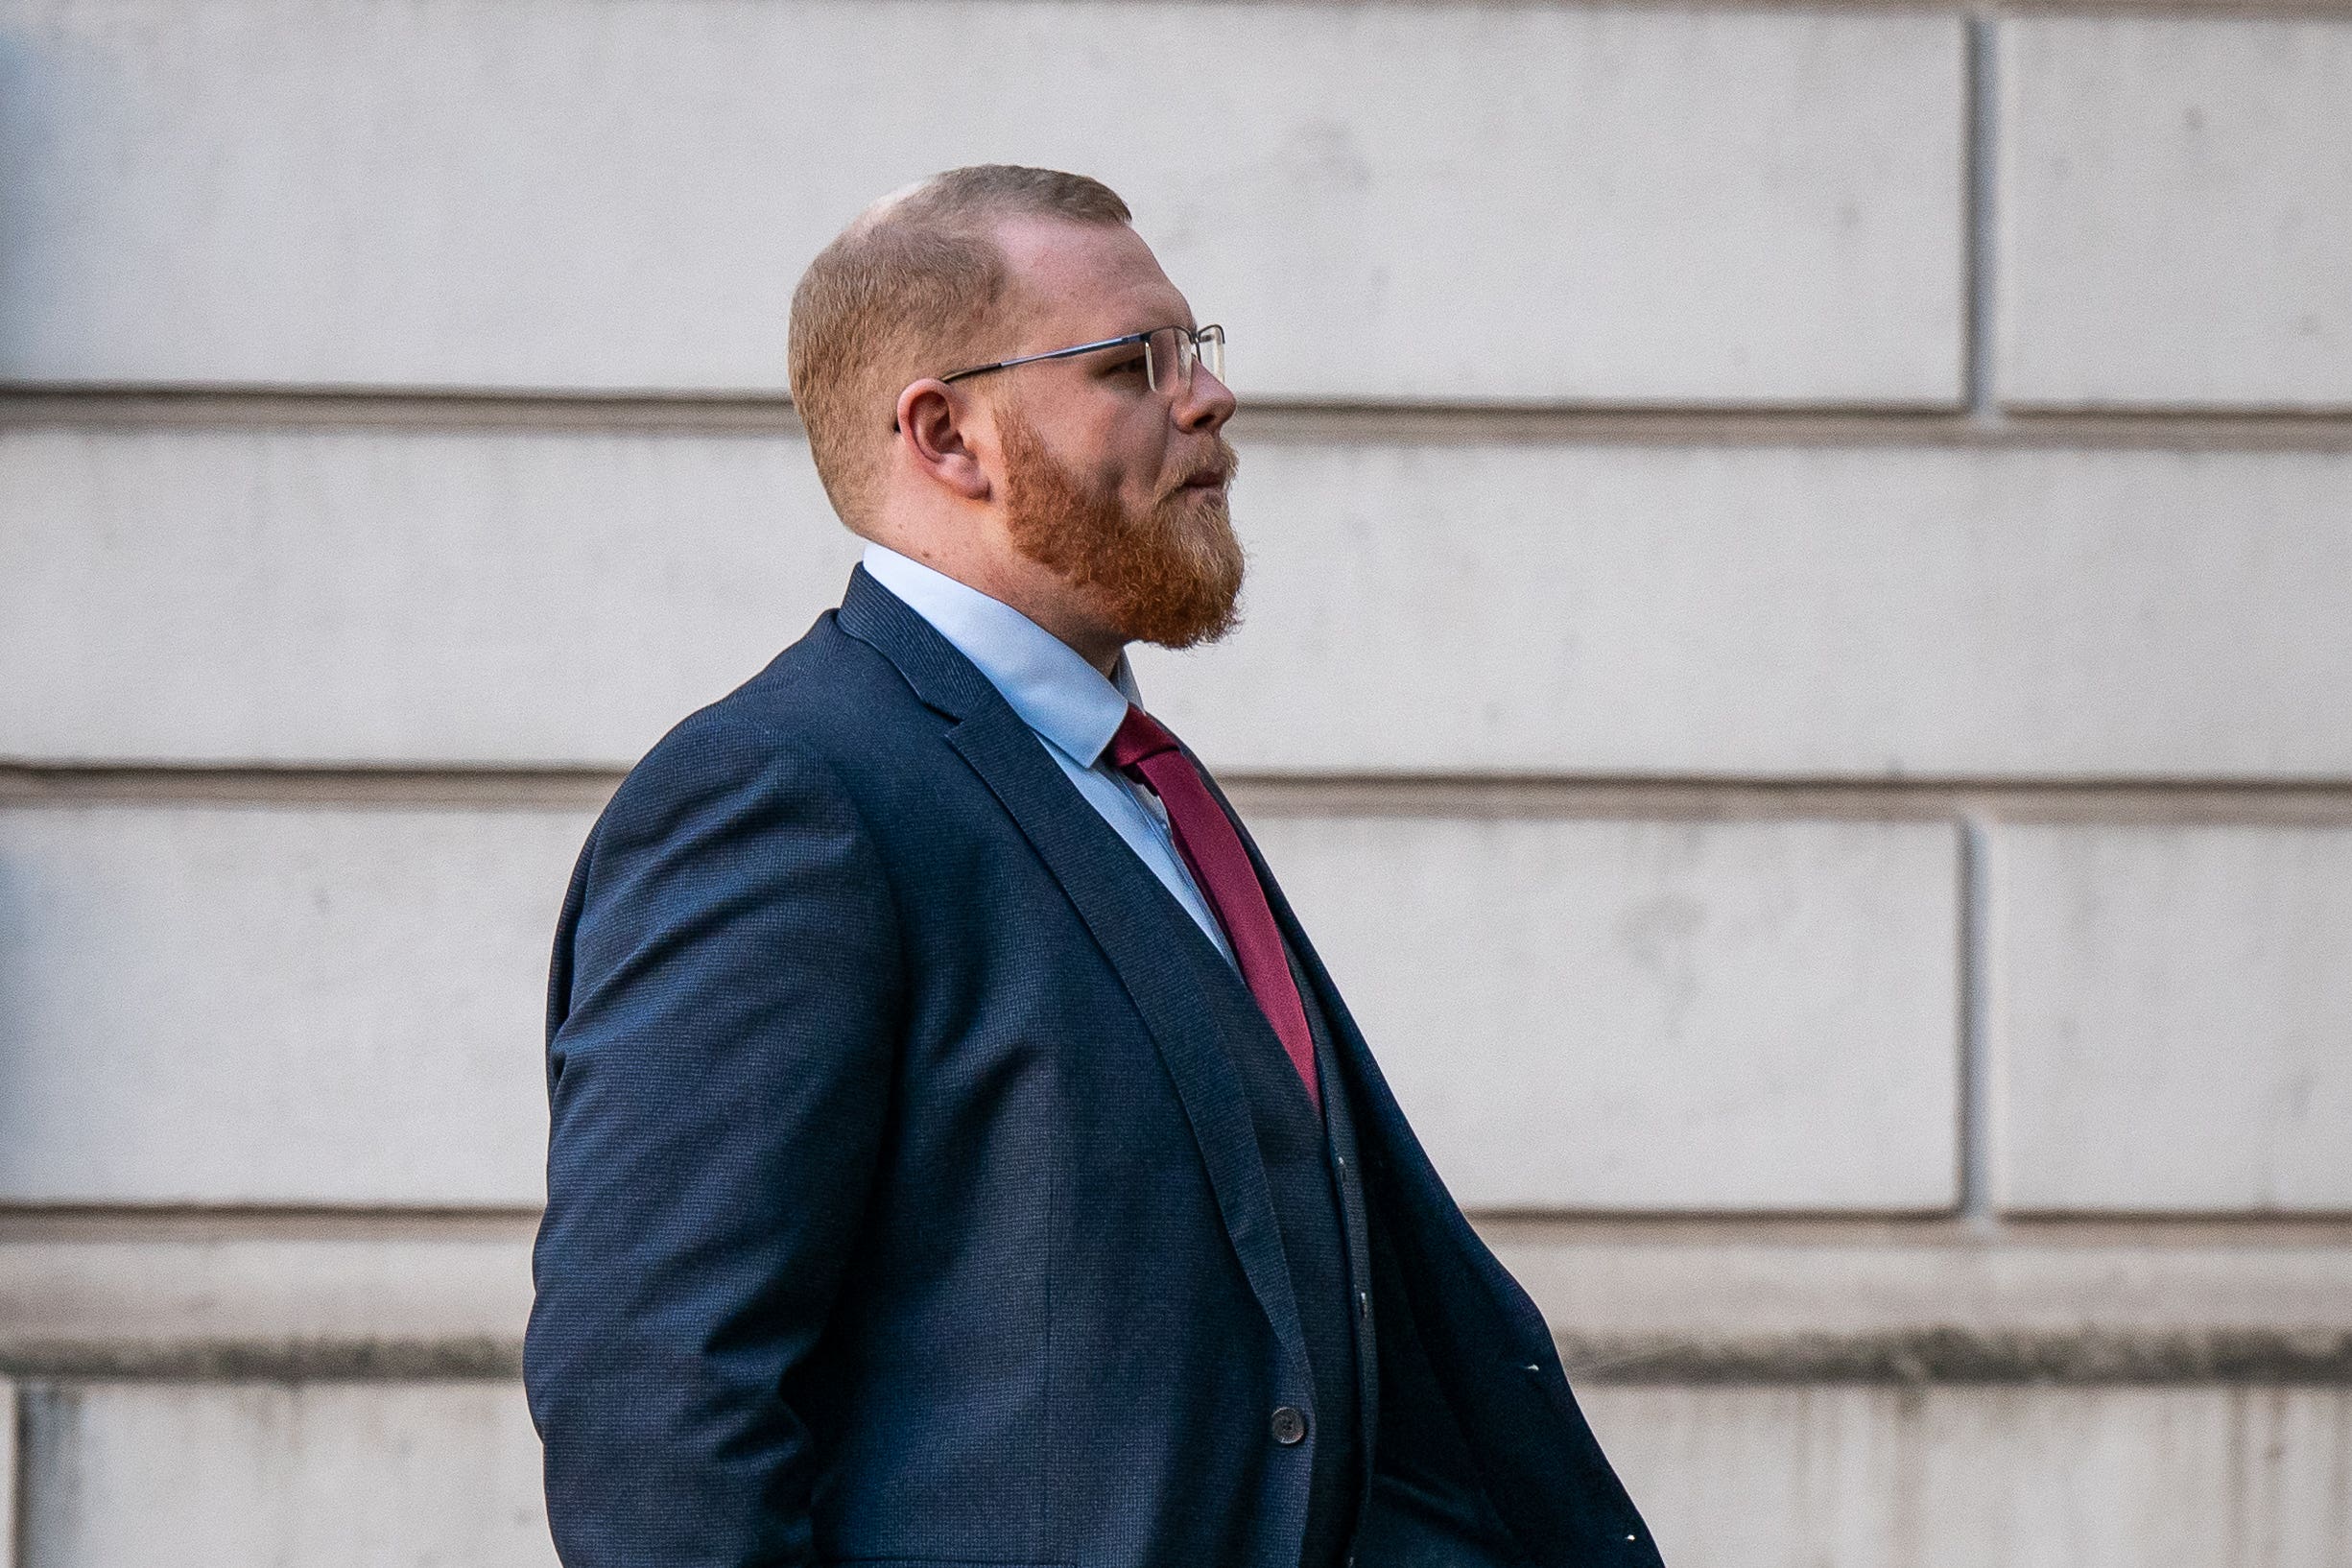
(1169, 354)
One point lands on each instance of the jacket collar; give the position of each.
(1049, 683)
(944, 679)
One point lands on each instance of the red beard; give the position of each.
(1171, 575)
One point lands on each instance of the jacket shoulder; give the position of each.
(827, 698)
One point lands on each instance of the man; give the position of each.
(959, 1153)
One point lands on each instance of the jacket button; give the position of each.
(1289, 1425)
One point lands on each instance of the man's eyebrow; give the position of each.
(1138, 332)
(1182, 318)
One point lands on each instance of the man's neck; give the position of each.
(1023, 584)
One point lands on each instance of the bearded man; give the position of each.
(958, 1155)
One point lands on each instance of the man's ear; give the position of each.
(932, 436)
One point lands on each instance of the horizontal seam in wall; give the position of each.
(1272, 795)
(2226, 1356)
(469, 1358)
(1336, 422)
(134, 1223)
(2091, 1357)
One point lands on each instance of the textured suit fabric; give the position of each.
(1319, 1200)
(1318, 1214)
(906, 1203)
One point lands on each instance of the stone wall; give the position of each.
(1799, 666)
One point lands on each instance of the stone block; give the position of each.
(2175, 214)
(369, 596)
(1852, 1477)
(2004, 1294)
(1825, 612)
(1729, 1477)
(519, 598)
(8, 1488)
(277, 1005)
(1649, 1015)
(2172, 1016)
(1517, 204)
(312, 1005)
(206, 1294)
(361, 1474)
(320, 1295)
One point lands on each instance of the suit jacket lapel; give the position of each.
(1346, 1039)
(1121, 905)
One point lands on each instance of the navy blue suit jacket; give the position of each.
(903, 1201)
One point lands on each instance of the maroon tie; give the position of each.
(1204, 836)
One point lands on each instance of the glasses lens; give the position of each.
(1175, 351)
(1169, 360)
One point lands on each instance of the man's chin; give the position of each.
(1194, 621)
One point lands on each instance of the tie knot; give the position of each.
(1140, 736)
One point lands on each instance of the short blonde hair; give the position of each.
(911, 289)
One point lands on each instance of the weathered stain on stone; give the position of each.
(2318, 1356)
(465, 1358)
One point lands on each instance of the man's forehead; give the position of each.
(1087, 278)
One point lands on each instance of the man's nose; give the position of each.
(1205, 404)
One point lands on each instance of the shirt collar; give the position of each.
(1056, 692)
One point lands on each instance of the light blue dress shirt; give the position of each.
(1065, 701)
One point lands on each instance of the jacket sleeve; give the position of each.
(724, 1016)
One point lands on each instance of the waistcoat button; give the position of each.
(1289, 1425)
